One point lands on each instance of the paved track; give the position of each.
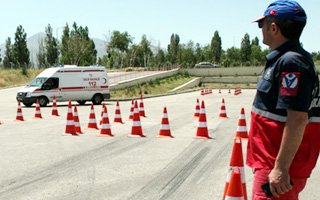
(38, 161)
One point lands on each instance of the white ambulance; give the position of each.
(66, 83)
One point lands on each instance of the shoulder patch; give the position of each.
(289, 84)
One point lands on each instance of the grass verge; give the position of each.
(14, 77)
(155, 87)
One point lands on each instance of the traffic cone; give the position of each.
(136, 130)
(219, 91)
(223, 113)
(101, 116)
(234, 191)
(76, 121)
(229, 91)
(242, 126)
(202, 130)
(70, 128)
(38, 111)
(105, 128)
(197, 112)
(236, 162)
(19, 116)
(92, 118)
(165, 128)
(54, 107)
(117, 115)
(141, 107)
(202, 92)
(131, 110)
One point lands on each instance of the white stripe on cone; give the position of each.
(202, 124)
(242, 174)
(165, 127)
(136, 123)
(241, 129)
(233, 198)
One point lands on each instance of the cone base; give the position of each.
(202, 137)
(136, 136)
(70, 134)
(105, 135)
(165, 136)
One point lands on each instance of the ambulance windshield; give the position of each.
(37, 82)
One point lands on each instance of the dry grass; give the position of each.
(14, 77)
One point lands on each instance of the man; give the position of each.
(284, 139)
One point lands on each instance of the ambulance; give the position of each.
(75, 83)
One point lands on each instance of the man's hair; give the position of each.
(290, 29)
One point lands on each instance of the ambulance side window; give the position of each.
(51, 83)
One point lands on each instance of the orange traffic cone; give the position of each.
(237, 91)
(38, 111)
(76, 120)
(236, 162)
(101, 116)
(136, 130)
(105, 129)
(117, 115)
(141, 107)
(165, 128)
(234, 191)
(223, 113)
(242, 126)
(92, 118)
(131, 110)
(54, 107)
(202, 130)
(70, 129)
(197, 112)
(202, 92)
(19, 116)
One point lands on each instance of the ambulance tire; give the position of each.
(43, 101)
(97, 99)
(81, 102)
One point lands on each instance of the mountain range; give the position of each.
(34, 41)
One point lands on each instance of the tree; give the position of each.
(76, 46)
(51, 47)
(64, 48)
(198, 53)
(118, 47)
(146, 50)
(173, 48)
(216, 47)
(41, 55)
(187, 56)
(0, 56)
(20, 51)
(245, 49)
(8, 60)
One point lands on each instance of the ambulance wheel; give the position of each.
(81, 102)
(43, 101)
(97, 99)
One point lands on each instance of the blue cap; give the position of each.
(285, 9)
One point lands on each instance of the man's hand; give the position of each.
(279, 181)
(279, 178)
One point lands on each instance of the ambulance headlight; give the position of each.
(28, 94)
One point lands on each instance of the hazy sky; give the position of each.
(195, 20)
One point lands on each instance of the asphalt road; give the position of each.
(39, 161)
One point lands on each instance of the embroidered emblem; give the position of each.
(289, 84)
